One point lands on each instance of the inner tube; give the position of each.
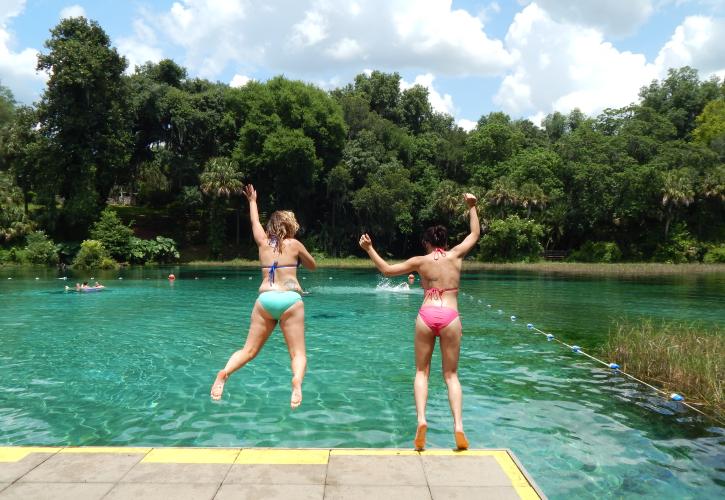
(92, 289)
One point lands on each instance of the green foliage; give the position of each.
(710, 129)
(512, 239)
(161, 250)
(715, 255)
(113, 234)
(40, 249)
(84, 120)
(93, 255)
(14, 223)
(599, 251)
(679, 248)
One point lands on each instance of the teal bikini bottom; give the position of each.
(276, 303)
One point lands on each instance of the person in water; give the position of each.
(279, 298)
(440, 272)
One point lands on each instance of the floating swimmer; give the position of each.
(440, 273)
(279, 300)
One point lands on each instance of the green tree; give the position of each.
(83, 115)
(382, 91)
(113, 234)
(710, 129)
(220, 180)
(512, 239)
(677, 192)
(14, 223)
(415, 109)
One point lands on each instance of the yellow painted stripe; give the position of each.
(518, 481)
(16, 453)
(283, 457)
(371, 451)
(104, 449)
(191, 456)
(465, 453)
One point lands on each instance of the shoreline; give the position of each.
(567, 268)
(632, 269)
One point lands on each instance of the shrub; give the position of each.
(159, 250)
(512, 239)
(113, 234)
(93, 255)
(715, 255)
(40, 249)
(599, 251)
(681, 247)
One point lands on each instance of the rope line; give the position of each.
(675, 396)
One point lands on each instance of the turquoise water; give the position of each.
(134, 364)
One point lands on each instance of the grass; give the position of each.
(569, 268)
(678, 357)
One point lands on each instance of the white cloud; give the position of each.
(698, 42)
(139, 48)
(17, 68)
(308, 38)
(560, 66)
(441, 103)
(72, 11)
(466, 125)
(615, 17)
(239, 81)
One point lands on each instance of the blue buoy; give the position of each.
(549, 337)
(513, 318)
(529, 326)
(677, 397)
(614, 366)
(575, 348)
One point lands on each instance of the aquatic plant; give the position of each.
(681, 357)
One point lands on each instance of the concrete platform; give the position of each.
(116, 473)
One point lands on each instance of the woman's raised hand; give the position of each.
(250, 193)
(470, 200)
(365, 242)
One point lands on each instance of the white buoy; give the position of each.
(329, 278)
(37, 278)
(224, 277)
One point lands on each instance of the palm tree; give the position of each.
(220, 179)
(677, 191)
(532, 196)
(503, 193)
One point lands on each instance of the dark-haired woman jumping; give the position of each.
(440, 273)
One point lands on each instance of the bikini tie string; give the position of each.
(438, 252)
(272, 269)
(434, 294)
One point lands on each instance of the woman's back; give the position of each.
(440, 274)
(279, 268)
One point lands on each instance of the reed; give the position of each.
(678, 357)
(568, 268)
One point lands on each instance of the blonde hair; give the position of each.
(282, 224)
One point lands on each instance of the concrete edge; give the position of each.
(526, 474)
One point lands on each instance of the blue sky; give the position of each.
(525, 58)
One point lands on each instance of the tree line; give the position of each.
(643, 182)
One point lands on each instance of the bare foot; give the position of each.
(420, 437)
(296, 399)
(461, 441)
(218, 388)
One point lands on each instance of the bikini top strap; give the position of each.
(438, 252)
(437, 293)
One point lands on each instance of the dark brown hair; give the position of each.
(437, 236)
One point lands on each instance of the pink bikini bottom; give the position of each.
(437, 317)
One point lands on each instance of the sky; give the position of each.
(526, 58)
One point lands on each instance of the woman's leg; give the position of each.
(450, 351)
(260, 328)
(292, 323)
(424, 345)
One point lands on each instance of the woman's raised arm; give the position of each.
(257, 230)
